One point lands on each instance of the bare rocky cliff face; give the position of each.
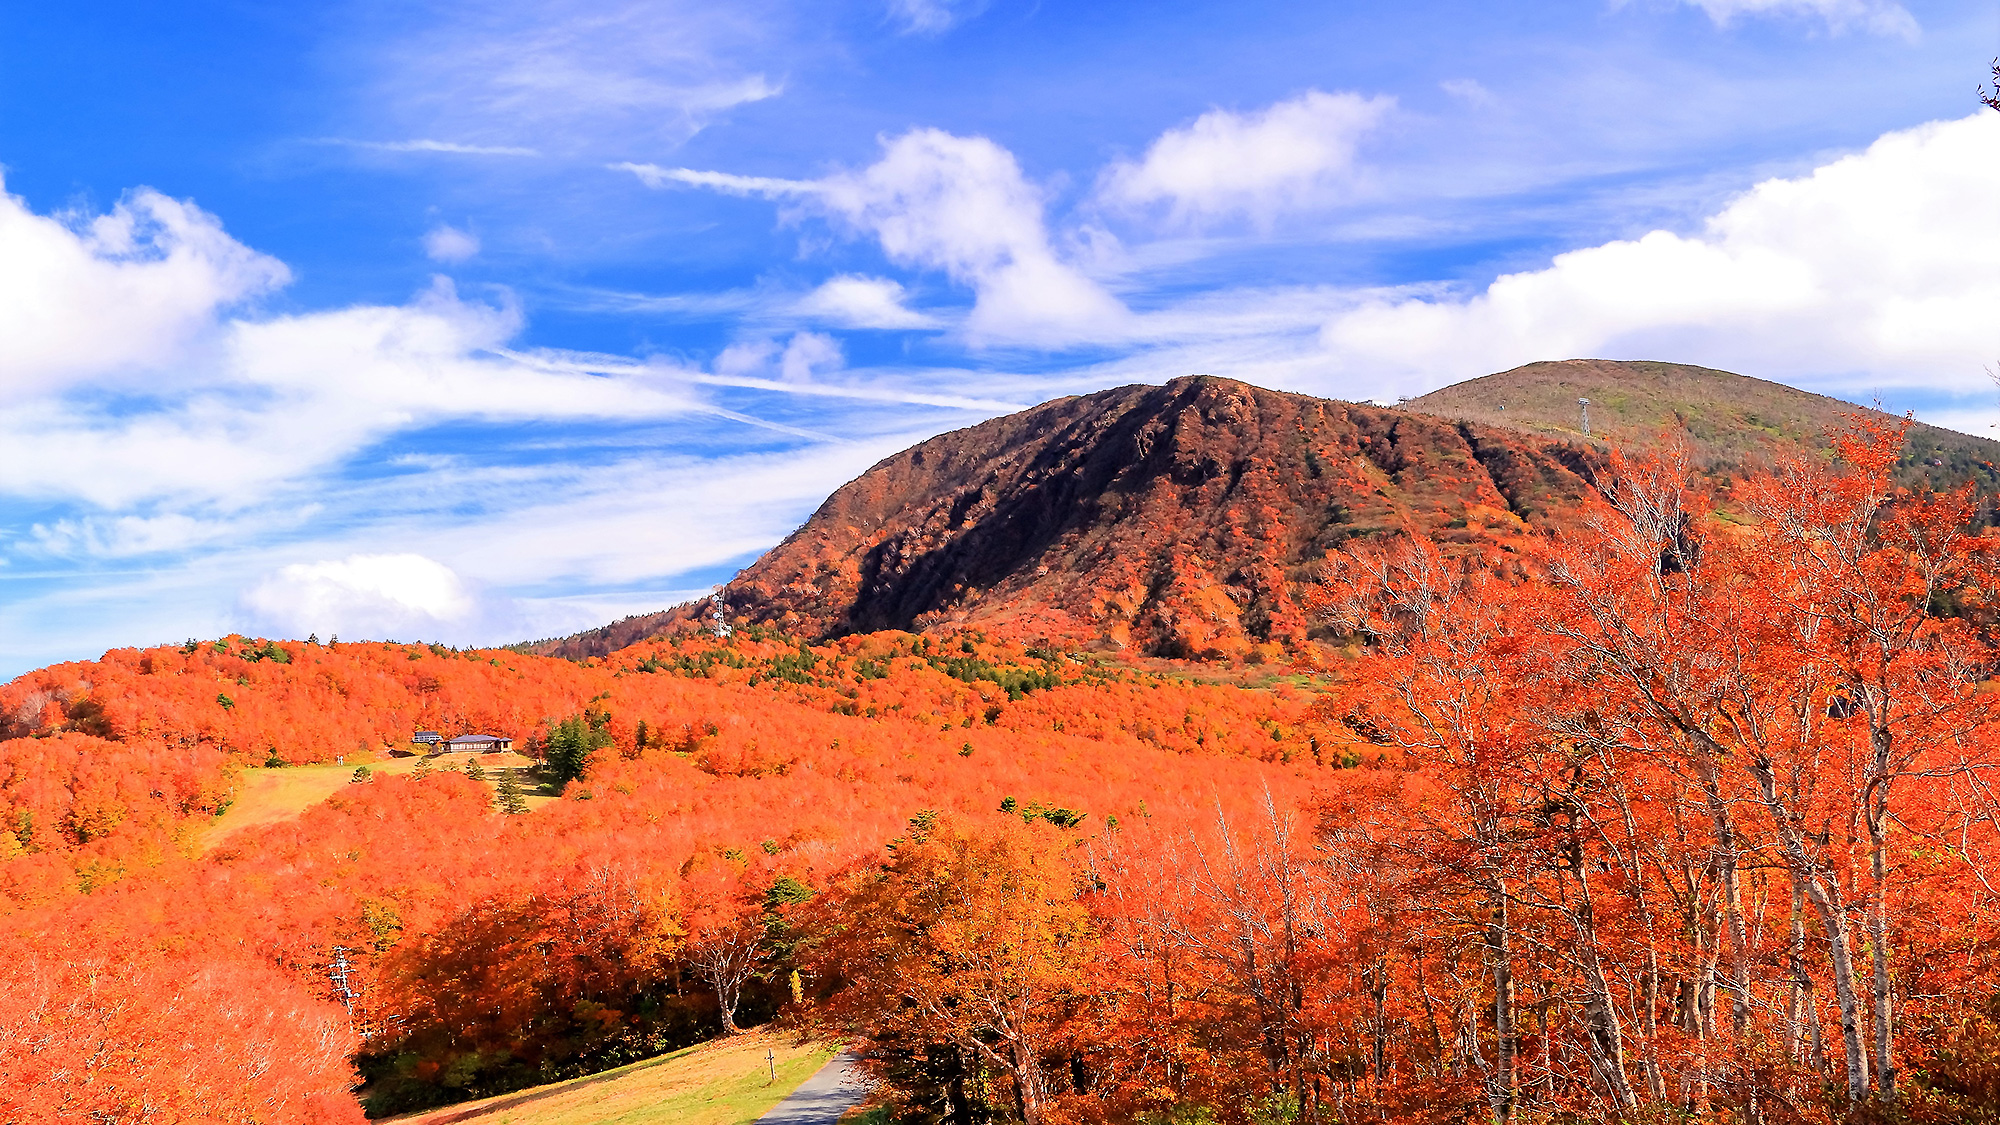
(1183, 520)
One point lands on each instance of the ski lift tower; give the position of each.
(1585, 403)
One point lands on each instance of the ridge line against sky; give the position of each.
(502, 320)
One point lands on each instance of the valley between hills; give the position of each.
(1178, 754)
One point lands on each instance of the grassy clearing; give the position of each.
(722, 1082)
(269, 796)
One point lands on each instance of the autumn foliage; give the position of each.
(1680, 814)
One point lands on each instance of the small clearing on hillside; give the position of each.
(273, 795)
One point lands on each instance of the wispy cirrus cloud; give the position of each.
(1876, 17)
(762, 187)
(503, 76)
(133, 360)
(453, 148)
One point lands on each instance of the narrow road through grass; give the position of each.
(721, 1082)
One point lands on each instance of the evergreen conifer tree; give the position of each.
(570, 744)
(512, 803)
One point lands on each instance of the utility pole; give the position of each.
(1585, 403)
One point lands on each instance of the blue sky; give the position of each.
(500, 320)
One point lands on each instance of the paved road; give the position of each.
(821, 1099)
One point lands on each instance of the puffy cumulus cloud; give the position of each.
(445, 243)
(809, 354)
(117, 296)
(959, 205)
(804, 356)
(404, 597)
(1880, 268)
(854, 301)
(1879, 17)
(962, 206)
(1294, 155)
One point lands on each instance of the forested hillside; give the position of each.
(1656, 814)
(1186, 520)
(460, 951)
(1177, 521)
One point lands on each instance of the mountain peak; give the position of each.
(1174, 520)
(1185, 519)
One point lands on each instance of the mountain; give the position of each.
(1181, 520)
(1731, 420)
(1175, 520)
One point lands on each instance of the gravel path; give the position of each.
(821, 1099)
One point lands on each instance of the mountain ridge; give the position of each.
(1183, 520)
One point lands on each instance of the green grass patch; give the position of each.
(267, 795)
(721, 1082)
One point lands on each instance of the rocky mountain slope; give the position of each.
(1175, 520)
(1183, 520)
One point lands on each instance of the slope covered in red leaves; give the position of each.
(1174, 521)
(408, 920)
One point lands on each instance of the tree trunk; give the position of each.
(1875, 805)
(1607, 1034)
(1824, 894)
(1505, 1085)
(1030, 1093)
(728, 996)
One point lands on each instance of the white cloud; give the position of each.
(571, 77)
(809, 354)
(1883, 266)
(454, 148)
(1294, 155)
(746, 358)
(128, 536)
(117, 295)
(1470, 91)
(959, 205)
(403, 596)
(766, 187)
(854, 301)
(962, 206)
(1879, 17)
(235, 406)
(932, 17)
(804, 356)
(585, 527)
(447, 243)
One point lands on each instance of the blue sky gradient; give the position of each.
(501, 320)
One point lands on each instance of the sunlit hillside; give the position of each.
(1651, 811)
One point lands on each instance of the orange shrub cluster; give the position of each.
(471, 952)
